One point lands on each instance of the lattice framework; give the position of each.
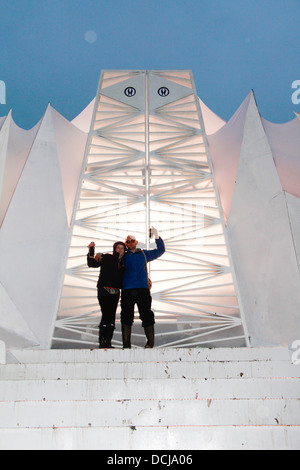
(147, 163)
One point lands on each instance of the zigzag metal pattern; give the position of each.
(194, 295)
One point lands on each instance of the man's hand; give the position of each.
(155, 232)
(91, 245)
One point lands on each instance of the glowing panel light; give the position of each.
(147, 163)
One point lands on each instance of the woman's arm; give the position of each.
(92, 260)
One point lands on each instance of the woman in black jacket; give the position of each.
(109, 285)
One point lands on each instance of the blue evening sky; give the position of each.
(53, 51)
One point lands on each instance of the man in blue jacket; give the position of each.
(136, 289)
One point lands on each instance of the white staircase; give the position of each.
(160, 399)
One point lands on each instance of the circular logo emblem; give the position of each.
(163, 91)
(130, 91)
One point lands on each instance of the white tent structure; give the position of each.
(147, 151)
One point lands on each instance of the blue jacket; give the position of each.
(135, 276)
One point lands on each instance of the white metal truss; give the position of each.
(147, 163)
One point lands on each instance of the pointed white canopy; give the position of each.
(259, 227)
(41, 174)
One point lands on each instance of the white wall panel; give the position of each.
(13, 328)
(293, 204)
(284, 140)
(225, 148)
(34, 234)
(18, 147)
(70, 143)
(262, 243)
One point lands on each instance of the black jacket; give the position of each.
(112, 271)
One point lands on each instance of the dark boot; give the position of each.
(102, 337)
(149, 332)
(126, 336)
(109, 336)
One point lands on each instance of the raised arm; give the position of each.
(160, 248)
(92, 261)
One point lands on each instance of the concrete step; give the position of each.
(167, 438)
(164, 399)
(118, 413)
(101, 389)
(149, 370)
(150, 355)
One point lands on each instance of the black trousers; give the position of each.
(109, 304)
(140, 297)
